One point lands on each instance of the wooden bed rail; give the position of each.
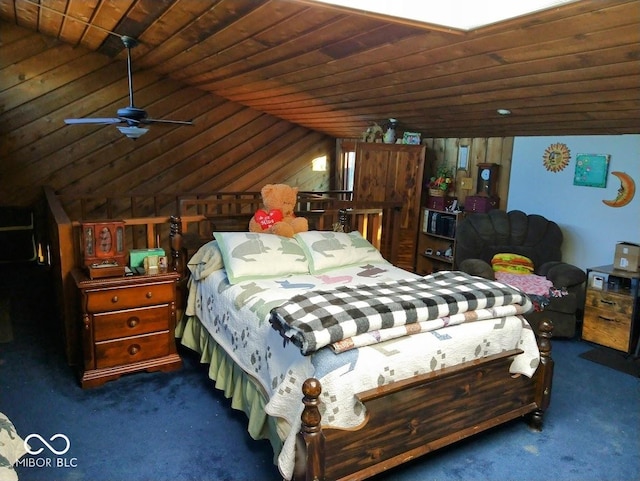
(148, 223)
(200, 218)
(421, 427)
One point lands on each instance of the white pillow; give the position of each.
(328, 250)
(252, 255)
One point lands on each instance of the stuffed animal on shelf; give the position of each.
(277, 217)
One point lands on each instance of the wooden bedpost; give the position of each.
(175, 234)
(309, 458)
(177, 262)
(545, 373)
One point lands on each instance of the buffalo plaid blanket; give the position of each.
(320, 318)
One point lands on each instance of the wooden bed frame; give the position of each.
(405, 419)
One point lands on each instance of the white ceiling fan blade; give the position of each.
(103, 121)
(162, 121)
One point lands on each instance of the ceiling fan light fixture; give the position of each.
(133, 132)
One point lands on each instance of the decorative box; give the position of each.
(103, 242)
(100, 271)
(440, 203)
(480, 203)
(136, 256)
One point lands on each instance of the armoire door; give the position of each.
(393, 172)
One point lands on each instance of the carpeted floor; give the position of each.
(176, 426)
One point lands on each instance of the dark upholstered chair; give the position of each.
(480, 236)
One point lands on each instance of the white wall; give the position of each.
(591, 228)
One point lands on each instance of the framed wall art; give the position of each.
(591, 170)
(411, 138)
(463, 157)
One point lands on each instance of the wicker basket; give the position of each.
(437, 193)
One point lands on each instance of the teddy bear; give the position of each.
(277, 217)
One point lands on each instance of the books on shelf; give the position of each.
(440, 223)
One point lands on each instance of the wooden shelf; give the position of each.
(437, 232)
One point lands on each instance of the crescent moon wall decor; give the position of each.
(626, 191)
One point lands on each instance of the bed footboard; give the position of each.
(408, 418)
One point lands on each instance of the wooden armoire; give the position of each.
(393, 172)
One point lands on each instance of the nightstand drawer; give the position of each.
(618, 303)
(606, 327)
(132, 322)
(131, 349)
(119, 298)
(128, 325)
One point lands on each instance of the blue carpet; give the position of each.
(176, 426)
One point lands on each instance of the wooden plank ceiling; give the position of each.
(569, 70)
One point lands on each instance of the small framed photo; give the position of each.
(151, 265)
(411, 138)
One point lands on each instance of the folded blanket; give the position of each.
(319, 318)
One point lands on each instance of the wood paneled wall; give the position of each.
(497, 150)
(230, 147)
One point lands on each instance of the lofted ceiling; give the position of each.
(569, 70)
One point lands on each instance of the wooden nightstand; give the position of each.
(612, 311)
(128, 325)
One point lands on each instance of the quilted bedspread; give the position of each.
(315, 319)
(237, 318)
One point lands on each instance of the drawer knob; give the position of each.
(149, 295)
(133, 321)
(114, 299)
(134, 349)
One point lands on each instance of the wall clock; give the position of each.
(556, 157)
(487, 180)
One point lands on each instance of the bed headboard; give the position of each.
(183, 222)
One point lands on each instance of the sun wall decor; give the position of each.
(556, 157)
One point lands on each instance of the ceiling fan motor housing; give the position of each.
(132, 113)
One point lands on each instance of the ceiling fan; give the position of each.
(131, 117)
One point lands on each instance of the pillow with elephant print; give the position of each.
(252, 255)
(329, 250)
